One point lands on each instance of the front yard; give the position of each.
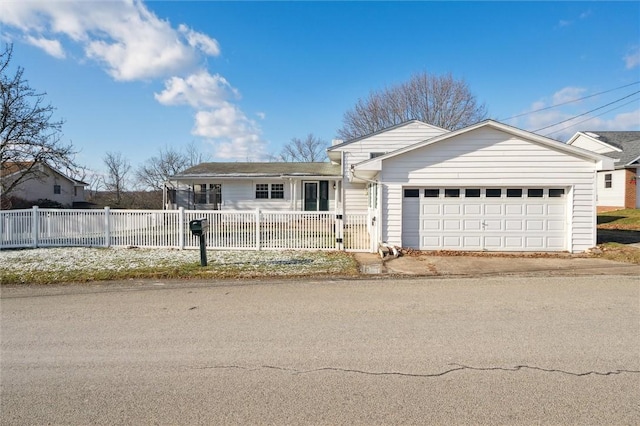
(617, 229)
(61, 265)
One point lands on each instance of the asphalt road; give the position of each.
(499, 350)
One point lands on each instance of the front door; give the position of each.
(311, 196)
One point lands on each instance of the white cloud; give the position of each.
(261, 115)
(200, 41)
(130, 41)
(52, 47)
(200, 90)
(567, 94)
(632, 59)
(234, 136)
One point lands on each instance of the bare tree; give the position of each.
(28, 133)
(116, 179)
(156, 170)
(310, 149)
(438, 100)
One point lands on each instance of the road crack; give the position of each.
(455, 367)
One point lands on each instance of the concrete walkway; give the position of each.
(500, 264)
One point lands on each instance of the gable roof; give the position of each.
(397, 126)
(625, 144)
(14, 167)
(270, 169)
(376, 163)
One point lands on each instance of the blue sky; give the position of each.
(240, 79)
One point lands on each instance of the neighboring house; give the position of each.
(617, 189)
(488, 186)
(43, 182)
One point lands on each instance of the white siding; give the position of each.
(241, 195)
(391, 140)
(355, 193)
(591, 145)
(491, 158)
(614, 196)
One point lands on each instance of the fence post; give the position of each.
(339, 231)
(181, 228)
(258, 245)
(35, 226)
(107, 227)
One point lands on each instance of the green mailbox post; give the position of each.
(199, 228)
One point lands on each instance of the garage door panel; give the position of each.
(431, 224)
(534, 225)
(493, 225)
(513, 242)
(514, 209)
(471, 225)
(452, 241)
(555, 243)
(535, 242)
(472, 242)
(485, 223)
(451, 209)
(475, 209)
(535, 209)
(555, 225)
(555, 209)
(493, 209)
(431, 209)
(452, 225)
(431, 242)
(513, 225)
(492, 242)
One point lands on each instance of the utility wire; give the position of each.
(591, 118)
(569, 102)
(588, 112)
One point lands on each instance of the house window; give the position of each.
(56, 189)
(431, 193)
(262, 190)
(277, 190)
(607, 180)
(493, 192)
(451, 193)
(514, 193)
(75, 191)
(556, 192)
(376, 154)
(411, 193)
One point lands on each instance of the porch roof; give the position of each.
(253, 170)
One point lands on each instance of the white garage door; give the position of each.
(494, 219)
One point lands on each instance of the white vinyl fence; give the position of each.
(235, 230)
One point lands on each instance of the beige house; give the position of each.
(45, 183)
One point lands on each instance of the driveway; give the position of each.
(491, 350)
(486, 264)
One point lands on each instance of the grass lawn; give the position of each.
(615, 230)
(627, 219)
(81, 264)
